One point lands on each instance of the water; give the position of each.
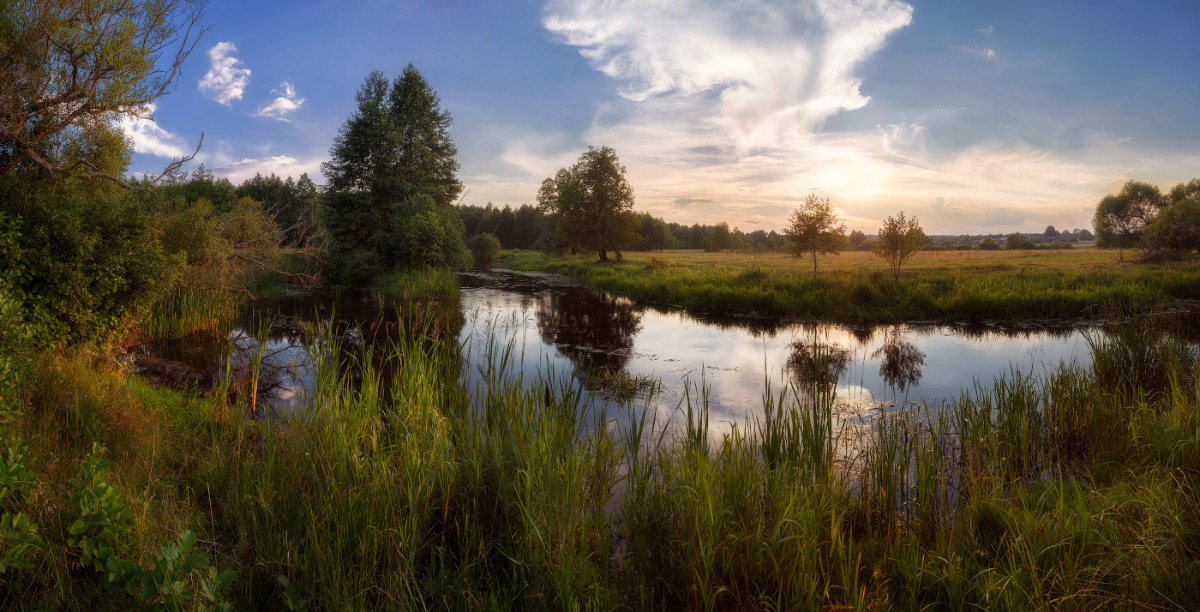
(614, 344)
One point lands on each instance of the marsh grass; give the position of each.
(421, 285)
(1064, 489)
(855, 286)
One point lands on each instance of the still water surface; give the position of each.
(553, 323)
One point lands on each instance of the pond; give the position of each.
(620, 349)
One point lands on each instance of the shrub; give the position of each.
(484, 248)
(102, 517)
(82, 263)
(423, 233)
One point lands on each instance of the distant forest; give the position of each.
(527, 227)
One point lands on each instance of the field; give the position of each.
(856, 286)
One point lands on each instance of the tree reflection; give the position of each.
(814, 364)
(593, 330)
(901, 363)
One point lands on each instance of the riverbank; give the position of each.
(856, 287)
(1073, 488)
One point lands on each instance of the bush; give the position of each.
(484, 248)
(82, 263)
(988, 245)
(1176, 228)
(423, 233)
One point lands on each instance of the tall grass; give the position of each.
(1064, 489)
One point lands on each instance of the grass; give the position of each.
(856, 286)
(1073, 489)
(423, 284)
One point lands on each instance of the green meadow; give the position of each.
(856, 286)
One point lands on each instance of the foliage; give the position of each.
(19, 537)
(1176, 228)
(592, 203)
(165, 586)
(899, 239)
(423, 233)
(1017, 241)
(519, 228)
(295, 205)
(391, 177)
(484, 249)
(813, 229)
(988, 244)
(719, 238)
(1121, 218)
(83, 261)
(112, 52)
(102, 515)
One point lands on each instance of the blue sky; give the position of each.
(975, 116)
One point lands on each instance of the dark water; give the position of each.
(615, 345)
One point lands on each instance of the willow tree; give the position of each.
(71, 69)
(1122, 217)
(591, 203)
(814, 229)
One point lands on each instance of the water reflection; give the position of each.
(814, 364)
(554, 323)
(900, 361)
(594, 330)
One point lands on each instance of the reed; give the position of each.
(1059, 489)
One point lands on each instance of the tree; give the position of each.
(1050, 233)
(988, 244)
(1017, 241)
(857, 238)
(72, 69)
(1121, 218)
(592, 203)
(391, 176)
(1186, 191)
(484, 248)
(719, 238)
(1176, 228)
(813, 229)
(899, 239)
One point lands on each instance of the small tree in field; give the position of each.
(814, 230)
(899, 239)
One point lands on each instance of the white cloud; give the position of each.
(285, 102)
(987, 52)
(770, 67)
(225, 80)
(280, 165)
(987, 31)
(146, 136)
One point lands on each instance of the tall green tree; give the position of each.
(391, 175)
(592, 203)
(814, 229)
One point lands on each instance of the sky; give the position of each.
(976, 116)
